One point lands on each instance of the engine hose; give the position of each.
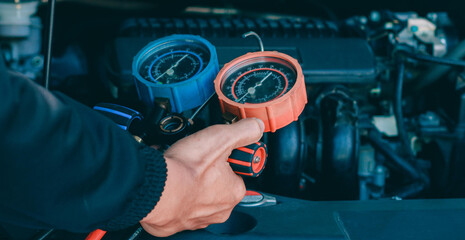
(386, 150)
(398, 110)
(431, 59)
(404, 52)
(437, 72)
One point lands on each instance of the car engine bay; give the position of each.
(385, 90)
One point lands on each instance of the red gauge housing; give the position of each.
(276, 113)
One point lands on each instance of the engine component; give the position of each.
(386, 125)
(372, 176)
(338, 143)
(288, 156)
(324, 56)
(436, 72)
(422, 31)
(16, 18)
(420, 181)
(21, 37)
(266, 85)
(179, 68)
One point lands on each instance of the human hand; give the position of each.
(201, 188)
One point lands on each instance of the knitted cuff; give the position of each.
(148, 194)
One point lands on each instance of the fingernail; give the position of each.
(261, 124)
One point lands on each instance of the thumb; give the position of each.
(245, 132)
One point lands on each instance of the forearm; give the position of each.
(65, 166)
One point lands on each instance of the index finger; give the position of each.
(245, 132)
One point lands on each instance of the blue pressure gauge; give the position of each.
(180, 68)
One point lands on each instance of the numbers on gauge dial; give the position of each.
(175, 64)
(259, 83)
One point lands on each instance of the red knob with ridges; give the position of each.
(249, 160)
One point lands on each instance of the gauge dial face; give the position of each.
(259, 80)
(175, 62)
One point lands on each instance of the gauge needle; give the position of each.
(170, 71)
(251, 90)
(248, 91)
(177, 63)
(260, 83)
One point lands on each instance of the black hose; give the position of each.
(431, 59)
(386, 150)
(437, 72)
(400, 52)
(398, 110)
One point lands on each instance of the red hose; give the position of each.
(96, 235)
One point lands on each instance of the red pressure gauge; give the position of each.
(267, 85)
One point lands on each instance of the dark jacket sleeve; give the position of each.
(64, 166)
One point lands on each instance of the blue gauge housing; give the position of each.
(158, 72)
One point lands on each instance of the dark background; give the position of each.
(98, 20)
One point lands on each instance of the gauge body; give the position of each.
(266, 85)
(180, 68)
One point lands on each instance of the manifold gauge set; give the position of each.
(179, 73)
(183, 70)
